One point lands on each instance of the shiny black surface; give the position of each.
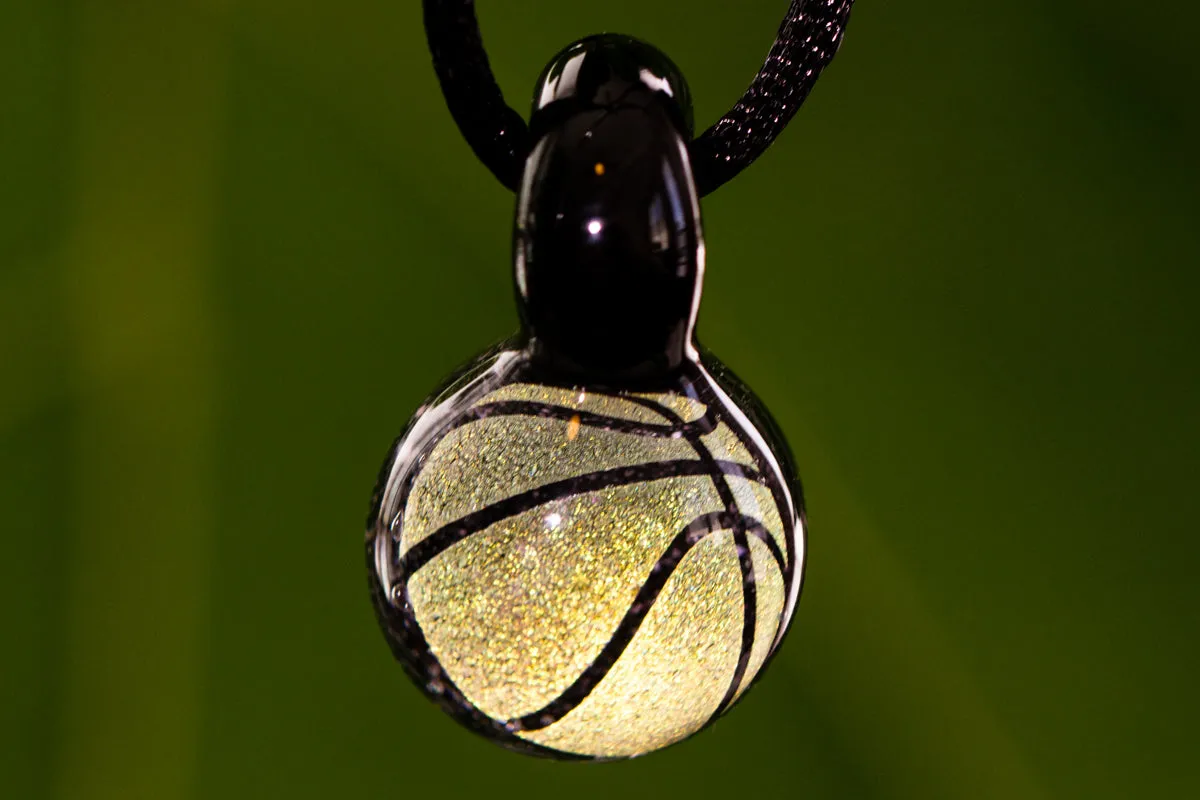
(608, 243)
(605, 71)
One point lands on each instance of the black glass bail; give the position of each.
(608, 243)
(604, 70)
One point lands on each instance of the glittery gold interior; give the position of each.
(516, 612)
(724, 444)
(674, 673)
(755, 501)
(496, 457)
(769, 597)
(578, 399)
(689, 410)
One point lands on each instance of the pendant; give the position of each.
(590, 542)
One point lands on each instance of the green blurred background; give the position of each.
(240, 240)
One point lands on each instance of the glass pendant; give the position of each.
(590, 542)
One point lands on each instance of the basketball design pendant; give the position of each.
(591, 541)
(585, 573)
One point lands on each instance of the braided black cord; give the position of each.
(496, 133)
(807, 41)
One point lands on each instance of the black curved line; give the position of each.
(410, 648)
(661, 408)
(692, 534)
(766, 469)
(431, 546)
(773, 546)
(749, 616)
(524, 408)
(703, 383)
(745, 562)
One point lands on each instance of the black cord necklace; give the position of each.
(591, 540)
